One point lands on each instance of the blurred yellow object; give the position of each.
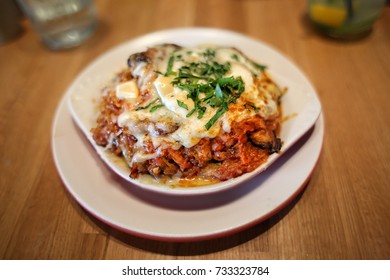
(327, 15)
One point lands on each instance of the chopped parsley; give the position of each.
(170, 66)
(182, 104)
(208, 53)
(251, 105)
(258, 66)
(206, 83)
(147, 106)
(153, 108)
(235, 57)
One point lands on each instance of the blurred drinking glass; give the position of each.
(61, 24)
(10, 16)
(344, 18)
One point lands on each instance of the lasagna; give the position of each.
(196, 115)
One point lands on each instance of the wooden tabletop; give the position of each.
(342, 213)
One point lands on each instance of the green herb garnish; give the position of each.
(235, 57)
(206, 84)
(147, 106)
(258, 66)
(154, 108)
(182, 104)
(170, 66)
(253, 106)
(217, 115)
(209, 53)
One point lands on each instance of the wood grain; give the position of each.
(343, 213)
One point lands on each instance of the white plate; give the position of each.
(300, 101)
(147, 213)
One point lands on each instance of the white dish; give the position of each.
(178, 218)
(301, 100)
(162, 216)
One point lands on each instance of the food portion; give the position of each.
(193, 115)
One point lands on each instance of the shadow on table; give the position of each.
(195, 248)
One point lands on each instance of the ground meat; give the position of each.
(224, 157)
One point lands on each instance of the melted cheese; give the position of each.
(128, 91)
(170, 124)
(170, 96)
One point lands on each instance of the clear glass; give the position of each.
(10, 17)
(344, 18)
(61, 24)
